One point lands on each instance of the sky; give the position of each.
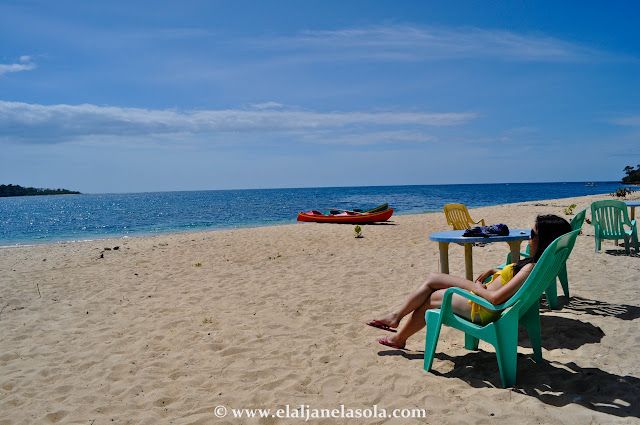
(142, 96)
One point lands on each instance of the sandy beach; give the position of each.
(166, 329)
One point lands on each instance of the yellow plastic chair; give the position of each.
(458, 216)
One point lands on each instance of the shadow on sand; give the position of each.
(554, 383)
(600, 308)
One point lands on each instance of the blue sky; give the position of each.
(143, 96)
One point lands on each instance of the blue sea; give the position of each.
(44, 219)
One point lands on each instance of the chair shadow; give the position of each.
(621, 252)
(553, 383)
(567, 333)
(600, 308)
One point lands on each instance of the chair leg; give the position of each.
(564, 280)
(552, 295)
(434, 322)
(531, 321)
(627, 248)
(507, 351)
(471, 342)
(597, 243)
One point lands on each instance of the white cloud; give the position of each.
(407, 43)
(267, 105)
(25, 64)
(633, 120)
(371, 138)
(61, 123)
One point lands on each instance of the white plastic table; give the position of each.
(514, 239)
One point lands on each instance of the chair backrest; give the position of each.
(457, 216)
(608, 217)
(578, 220)
(543, 273)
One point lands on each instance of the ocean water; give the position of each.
(44, 219)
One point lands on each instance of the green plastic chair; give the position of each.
(552, 291)
(522, 308)
(609, 219)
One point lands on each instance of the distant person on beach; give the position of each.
(504, 284)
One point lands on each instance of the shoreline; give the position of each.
(168, 327)
(633, 196)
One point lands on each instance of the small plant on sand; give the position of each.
(622, 192)
(358, 231)
(198, 264)
(207, 320)
(569, 210)
(587, 221)
(273, 258)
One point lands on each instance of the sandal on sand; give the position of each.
(385, 341)
(379, 325)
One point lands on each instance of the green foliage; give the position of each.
(569, 210)
(11, 190)
(622, 192)
(198, 264)
(273, 258)
(633, 175)
(358, 231)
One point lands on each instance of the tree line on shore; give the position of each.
(15, 190)
(633, 174)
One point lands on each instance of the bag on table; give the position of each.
(487, 231)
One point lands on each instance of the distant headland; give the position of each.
(633, 175)
(15, 190)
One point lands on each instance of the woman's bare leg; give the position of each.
(420, 296)
(416, 321)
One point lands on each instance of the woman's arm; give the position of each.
(486, 274)
(503, 293)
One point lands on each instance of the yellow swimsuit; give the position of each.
(486, 315)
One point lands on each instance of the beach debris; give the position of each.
(115, 248)
(622, 192)
(107, 249)
(358, 231)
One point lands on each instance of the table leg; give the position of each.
(468, 260)
(515, 250)
(444, 257)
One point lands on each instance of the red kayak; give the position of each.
(346, 217)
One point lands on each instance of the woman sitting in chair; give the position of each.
(503, 284)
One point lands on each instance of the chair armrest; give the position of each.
(448, 294)
(479, 221)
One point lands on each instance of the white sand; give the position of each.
(276, 316)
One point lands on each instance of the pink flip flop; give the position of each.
(379, 325)
(385, 341)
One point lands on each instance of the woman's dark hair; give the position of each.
(550, 227)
